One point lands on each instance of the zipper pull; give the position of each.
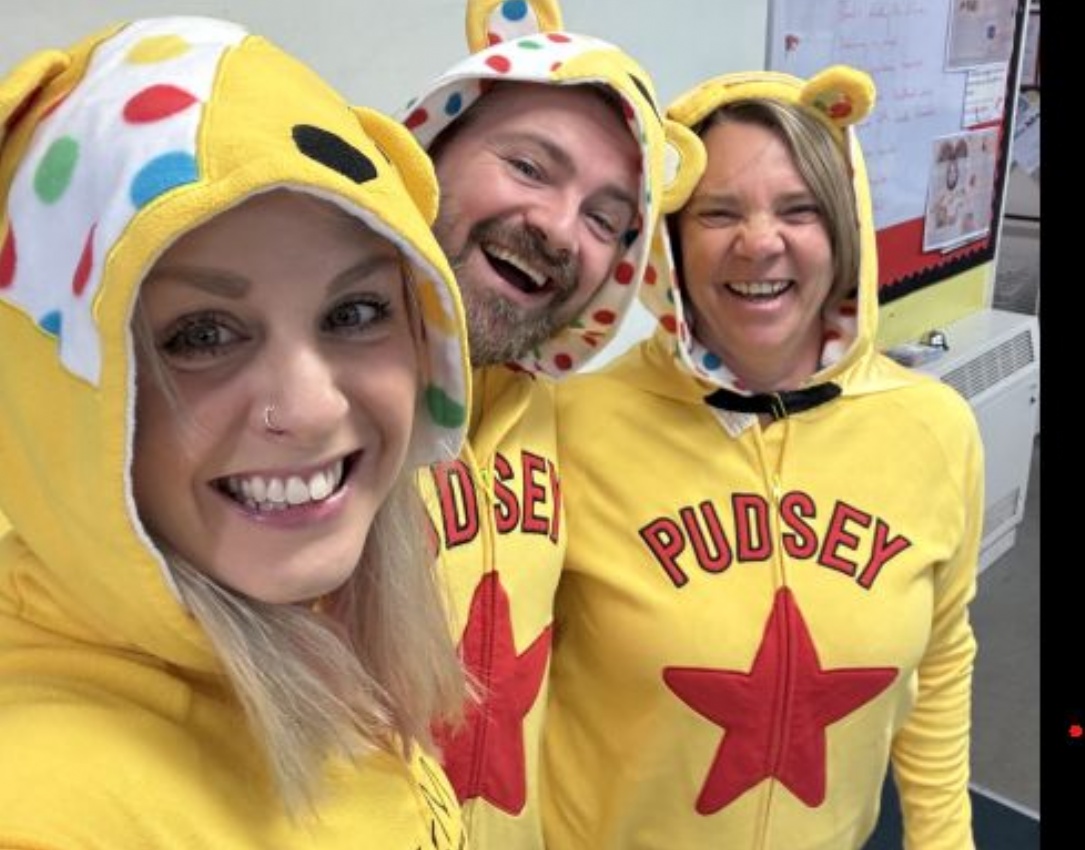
(486, 479)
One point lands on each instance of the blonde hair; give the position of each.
(346, 676)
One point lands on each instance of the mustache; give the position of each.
(560, 266)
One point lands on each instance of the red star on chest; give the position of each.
(485, 758)
(775, 716)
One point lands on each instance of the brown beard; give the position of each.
(499, 330)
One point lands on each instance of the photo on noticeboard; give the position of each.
(959, 189)
(980, 32)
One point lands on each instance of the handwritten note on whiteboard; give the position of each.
(901, 44)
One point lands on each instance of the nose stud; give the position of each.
(269, 423)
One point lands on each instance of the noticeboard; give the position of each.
(936, 145)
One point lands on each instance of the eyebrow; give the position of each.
(363, 269)
(726, 196)
(562, 158)
(215, 282)
(227, 285)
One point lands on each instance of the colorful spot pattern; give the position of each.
(511, 20)
(157, 102)
(80, 155)
(7, 259)
(55, 171)
(161, 174)
(443, 409)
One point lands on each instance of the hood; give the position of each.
(840, 97)
(109, 151)
(525, 42)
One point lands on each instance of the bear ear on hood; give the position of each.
(406, 156)
(683, 165)
(492, 21)
(840, 95)
(22, 85)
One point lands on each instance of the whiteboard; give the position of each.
(943, 70)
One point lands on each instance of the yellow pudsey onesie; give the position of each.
(755, 621)
(497, 509)
(118, 726)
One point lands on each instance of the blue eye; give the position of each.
(200, 335)
(356, 314)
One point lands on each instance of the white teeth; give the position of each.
(269, 494)
(276, 490)
(537, 277)
(258, 487)
(758, 288)
(320, 486)
(296, 491)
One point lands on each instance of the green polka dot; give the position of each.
(527, 44)
(446, 411)
(56, 168)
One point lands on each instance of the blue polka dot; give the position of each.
(711, 361)
(161, 174)
(514, 10)
(51, 322)
(454, 104)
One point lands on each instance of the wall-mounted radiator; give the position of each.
(994, 362)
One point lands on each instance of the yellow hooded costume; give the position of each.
(118, 727)
(755, 619)
(498, 508)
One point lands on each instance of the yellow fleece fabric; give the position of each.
(118, 728)
(755, 621)
(497, 509)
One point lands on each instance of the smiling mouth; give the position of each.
(517, 270)
(269, 493)
(759, 290)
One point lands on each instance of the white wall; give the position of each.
(381, 52)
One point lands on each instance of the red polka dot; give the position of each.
(493, 38)
(416, 118)
(650, 275)
(1076, 731)
(500, 64)
(604, 317)
(669, 323)
(7, 259)
(86, 263)
(157, 102)
(849, 308)
(624, 273)
(558, 37)
(832, 335)
(563, 362)
(555, 66)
